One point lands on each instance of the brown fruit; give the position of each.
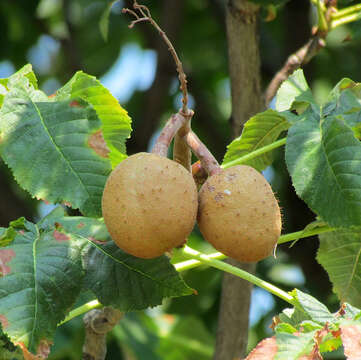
(149, 205)
(239, 215)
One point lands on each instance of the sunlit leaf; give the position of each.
(324, 160)
(292, 347)
(294, 90)
(116, 124)
(44, 142)
(317, 311)
(260, 130)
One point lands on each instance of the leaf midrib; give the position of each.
(125, 265)
(35, 286)
(57, 147)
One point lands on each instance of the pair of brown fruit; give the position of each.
(150, 205)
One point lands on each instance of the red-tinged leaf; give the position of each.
(265, 350)
(5, 256)
(4, 321)
(43, 282)
(351, 339)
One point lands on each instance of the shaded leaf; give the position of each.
(260, 130)
(351, 340)
(339, 254)
(104, 20)
(345, 100)
(116, 124)
(325, 158)
(42, 280)
(294, 90)
(265, 350)
(188, 338)
(129, 283)
(44, 142)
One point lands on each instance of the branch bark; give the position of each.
(98, 323)
(244, 68)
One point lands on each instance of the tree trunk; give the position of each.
(244, 68)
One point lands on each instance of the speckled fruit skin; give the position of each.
(149, 205)
(239, 215)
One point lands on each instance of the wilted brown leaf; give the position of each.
(351, 340)
(265, 350)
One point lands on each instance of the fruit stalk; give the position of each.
(208, 161)
(181, 152)
(204, 259)
(169, 131)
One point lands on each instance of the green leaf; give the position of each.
(339, 254)
(45, 143)
(294, 91)
(116, 278)
(187, 339)
(129, 283)
(8, 235)
(41, 278)
(104, 20)
(293, 316)
(292, 347)
(116, 124)
(324, 160)
(312, 307)
(285, 328)
(5, 84)
(260, 130)
(345, 99)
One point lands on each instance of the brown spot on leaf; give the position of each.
(4, 321)
(21, 232)
(80, 225)
(58, 236)
(75, 103)
(265, 350)
(5, 256)
(97, 143)
(42, 352)
(58, 225)
(94, 240)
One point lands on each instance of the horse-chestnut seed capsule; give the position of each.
(239, 215)
(149, 205)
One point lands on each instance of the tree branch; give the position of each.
(98, 323)
(301, 57)
(247, 100)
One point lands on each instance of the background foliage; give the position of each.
(60, 37)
